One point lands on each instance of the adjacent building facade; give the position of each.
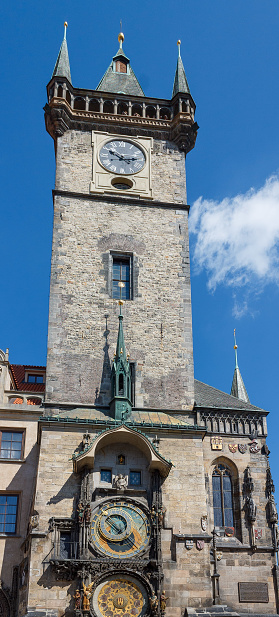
(149, 492)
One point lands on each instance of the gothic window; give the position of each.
(121, 277)
(11, 444)
(8, 513)
(222, 496)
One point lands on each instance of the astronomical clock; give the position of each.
(120, 529)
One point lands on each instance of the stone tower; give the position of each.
(120, 209)
(154, 494)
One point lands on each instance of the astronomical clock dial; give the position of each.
(120, 529)
(122, 157)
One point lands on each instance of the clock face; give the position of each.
(122, 157)
(120, 529)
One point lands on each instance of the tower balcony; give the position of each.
(74, 108)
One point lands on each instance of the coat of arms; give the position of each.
(258, 534)
(242, 447)
(216, 443)
(254, 447)
(189, 544)
(229, 531)
(233, 447)
(200, 545)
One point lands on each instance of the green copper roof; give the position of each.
(124, 83)
(62, 66)
(238, 388)
(180, 81)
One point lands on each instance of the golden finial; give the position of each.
(179, 43)
(120, 302)
(65, 28)
(120, 39)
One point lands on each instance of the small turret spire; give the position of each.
(120, 404)
(120, 77)
(180, 81)
(62, 65)
(238, 388)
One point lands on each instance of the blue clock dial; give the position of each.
(122, 157)
(120, 529)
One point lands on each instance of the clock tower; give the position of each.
(154, 494)
(120, 217)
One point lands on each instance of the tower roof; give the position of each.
(120, 79)
(62, 65)
(238, 388)
(180, 83)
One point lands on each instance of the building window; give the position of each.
(222, 497)
(32, 378)
(135, 478)
(106, 475)
(65, 545)
(121, 277)
(8, 513)
(11, 445)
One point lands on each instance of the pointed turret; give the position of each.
(180, 83)
(120, 77)
(62, 66)
(238, 388)
(120, 404)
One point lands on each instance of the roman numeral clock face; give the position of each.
(122, 157)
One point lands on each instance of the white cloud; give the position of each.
(237, 239)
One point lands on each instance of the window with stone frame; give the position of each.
(222, 488)
(122, 277)
(8, 513)
(11, 445)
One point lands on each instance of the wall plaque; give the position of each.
(253, 592)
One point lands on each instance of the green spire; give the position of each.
(238, 388)
(180, 81)
(120, 404)
(62, 66)
(120, 77)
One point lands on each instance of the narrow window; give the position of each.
(133, 383)
(135, 478)
(11, 445)
(222, 497)
(65, 545)
(121, 385)
(8, 513)
(106, 475)
(121, 278)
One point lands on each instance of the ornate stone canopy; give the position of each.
(123, 434)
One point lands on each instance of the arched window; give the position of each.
(222, 496)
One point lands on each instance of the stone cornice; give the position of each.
(120, 200)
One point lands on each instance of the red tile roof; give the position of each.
(18, 373)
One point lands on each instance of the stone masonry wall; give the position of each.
(83, 321)
(74, 160)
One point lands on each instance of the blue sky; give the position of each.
(230, 53)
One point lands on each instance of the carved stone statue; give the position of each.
(87, 593)
(153, 604)
(251, 509)
(153, 515)
(80, 511)
(77, 599)
(161, 516)
(163, 601)
(86, 440)
(272, 511)
(120, 482)
(87, 513)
